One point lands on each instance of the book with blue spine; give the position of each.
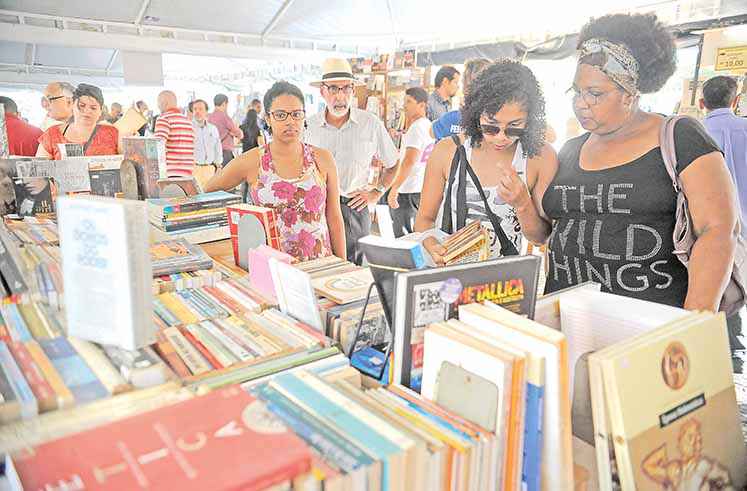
(75, 373)
(300, 393)
(216, 199)
(16, 324)
(19, 385)
(324, 438)
(532, 464)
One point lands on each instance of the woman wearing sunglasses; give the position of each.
(96, 139)
(496, 170)
(613, 201)
(297, 180)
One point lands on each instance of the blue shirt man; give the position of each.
(729, 131)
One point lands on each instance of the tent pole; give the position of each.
(697, 70)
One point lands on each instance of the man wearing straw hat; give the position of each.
(355, 138)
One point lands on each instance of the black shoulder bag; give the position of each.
(460, 164)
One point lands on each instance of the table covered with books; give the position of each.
(293, 376)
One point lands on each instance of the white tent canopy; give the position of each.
(53, 39)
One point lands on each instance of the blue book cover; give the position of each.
(531, 471)
(19, 385)
(75, 373)
(330, 445)
(381, 448)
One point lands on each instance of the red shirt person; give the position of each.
(23, 138)
(97, 139)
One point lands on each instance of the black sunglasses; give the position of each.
(494, 129)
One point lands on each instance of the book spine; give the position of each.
(251, 342)
(16, 324)
(236, 350)
(532, 466)
(178, 309)
(10, 406)
(220, 352)
(200, 347)
(63, 394)
(101, 366)
(199, 205)
(166, 351)
(186, 351)
(164, 314)
(78, 376)
(323, 438)
(45, 395)
(19, 385)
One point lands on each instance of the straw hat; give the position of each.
(336, 70)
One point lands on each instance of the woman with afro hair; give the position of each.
(612, 200)
(493, 172)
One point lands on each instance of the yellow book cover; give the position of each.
(687, 434)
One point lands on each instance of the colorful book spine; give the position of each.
(189, 354)
(76, 375)
(64, 396)
(16, 324)
(166, 351)
(19, 385)
(235, 348)
(330, 445)
(45, 395)
(200, 347)
(224, 357)
(532, 465)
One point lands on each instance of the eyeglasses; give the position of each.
(50, 99)
(281, 115)
(590, 96)
(494, 129)
(334, 89)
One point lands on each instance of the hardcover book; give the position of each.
(223, 440)
(685, 433)
(107, 270)
(148, 157)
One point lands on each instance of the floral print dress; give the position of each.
(299, 204)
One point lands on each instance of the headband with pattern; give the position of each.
(619, 64)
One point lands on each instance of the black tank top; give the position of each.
(614, 226)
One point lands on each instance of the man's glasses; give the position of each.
(281, 115)
(50, 99)
(334, 89)
(494, 129)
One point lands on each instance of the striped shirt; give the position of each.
(353, 146)
(176, 130)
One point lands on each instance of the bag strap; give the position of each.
(668, 150)
(507, 247)
(446, 218)
(90, 139)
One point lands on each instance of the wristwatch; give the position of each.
(381, 189)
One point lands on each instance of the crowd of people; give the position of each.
(604, 204)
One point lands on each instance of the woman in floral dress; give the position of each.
(297, 180)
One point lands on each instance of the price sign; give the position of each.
(734, 58)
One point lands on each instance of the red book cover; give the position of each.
(45, 395)
(201, 348)
(223, 440)
(266, 216)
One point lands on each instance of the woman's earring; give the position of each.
(306, 125)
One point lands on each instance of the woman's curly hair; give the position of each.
(504, 82)
(648, 41)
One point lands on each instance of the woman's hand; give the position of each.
(513, 190)
(435, 249)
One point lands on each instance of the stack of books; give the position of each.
(178, 256)
(326, 266)
(198, 219)
(381, 438)
(468, 245)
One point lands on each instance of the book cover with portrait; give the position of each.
(675, 421)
